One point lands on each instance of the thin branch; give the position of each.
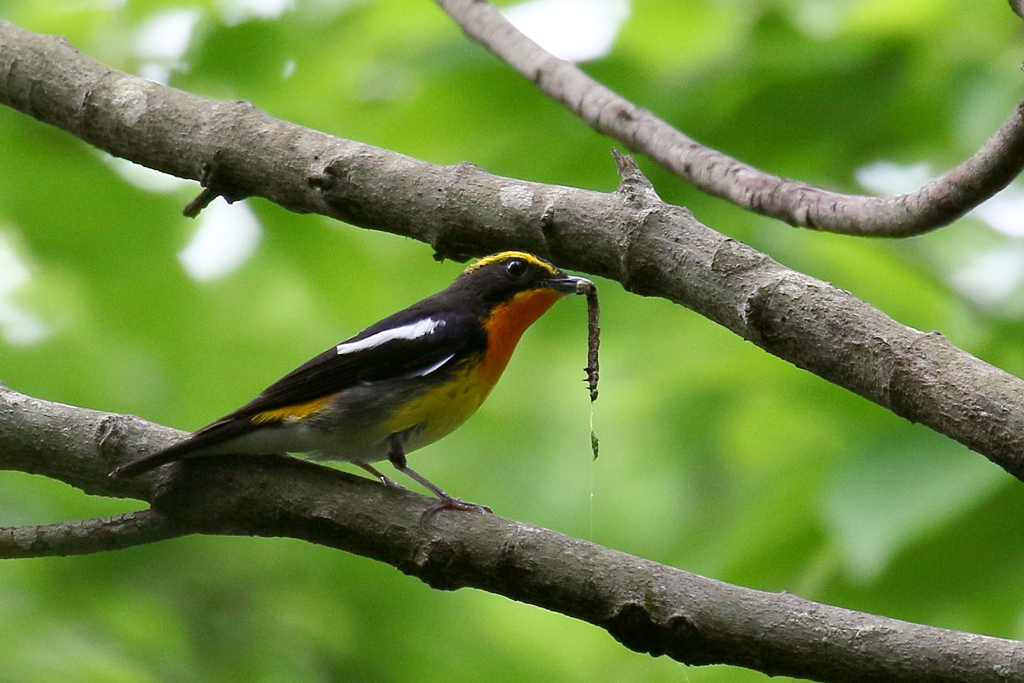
(86, 536)
(652, 248)
(938, 203)
(646, 606)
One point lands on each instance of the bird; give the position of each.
(397, 386)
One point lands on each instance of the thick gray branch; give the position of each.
(648, 607)
(938, 203)
(652, 248)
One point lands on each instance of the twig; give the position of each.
(938, 203)
(214, 177)
(86, 536)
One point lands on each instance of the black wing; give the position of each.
(375, 354)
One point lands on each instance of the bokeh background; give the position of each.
(716, 458)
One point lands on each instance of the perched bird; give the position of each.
(398, 385)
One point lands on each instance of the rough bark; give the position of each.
(646, 606)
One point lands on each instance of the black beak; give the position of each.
(569, 284)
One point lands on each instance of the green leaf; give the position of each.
(895, 493)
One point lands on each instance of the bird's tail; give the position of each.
(153, 460)
(200, 443)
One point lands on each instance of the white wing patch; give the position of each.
(429, 369)
(420, 328)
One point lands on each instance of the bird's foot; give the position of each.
(449, 503)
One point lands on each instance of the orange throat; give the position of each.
(506, 325)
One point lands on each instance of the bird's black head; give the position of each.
(498, 278)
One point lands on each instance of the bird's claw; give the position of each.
(453, 504)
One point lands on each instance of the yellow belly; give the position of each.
(443, 409)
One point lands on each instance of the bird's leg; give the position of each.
(384, 479)
(396, 454)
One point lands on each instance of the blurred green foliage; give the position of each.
(716, 458)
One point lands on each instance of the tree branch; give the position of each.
(630, 235)
(652, 248)
(86, 536)
(938, 203)
(646, 606)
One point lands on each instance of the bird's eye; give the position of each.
(516, 267)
